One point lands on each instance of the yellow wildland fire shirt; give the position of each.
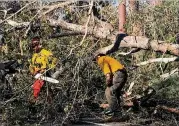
(109, 64)
(42, 60)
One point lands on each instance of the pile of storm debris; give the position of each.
(149, 109)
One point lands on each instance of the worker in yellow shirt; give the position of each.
(42, 62)
(116, 77)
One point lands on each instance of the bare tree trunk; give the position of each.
(122, 16)
(155, 2)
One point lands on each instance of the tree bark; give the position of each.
(65, 34)
(155, 2)
(129, 41)
(122, 16)
(97, 31)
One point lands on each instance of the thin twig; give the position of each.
(86, 29)
(86, 26)
(18, 11)
(165, 60)
(75, 96)
(51, 8)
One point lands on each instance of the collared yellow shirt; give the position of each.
(109, 64)
(42, 60)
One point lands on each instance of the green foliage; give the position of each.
(167, 88)
(160, 22)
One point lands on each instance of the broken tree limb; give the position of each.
(172, 73)
(134, 50)
(165, 60)
(129, 41)
(16, 24)
(53, 7)
(173, 110)
(86, 25)
(18, 11)
(5, 12)
(129, 91)
(142, 43)
(99, 32)
(65, 34)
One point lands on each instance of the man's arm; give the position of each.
(109, 79)
(108, 72)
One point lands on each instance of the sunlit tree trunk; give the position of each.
(155, 2)
(122, 15)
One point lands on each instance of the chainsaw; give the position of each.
(45, 78)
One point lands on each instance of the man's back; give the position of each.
(109, 64)
(42, 60)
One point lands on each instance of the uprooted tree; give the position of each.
(75, 30)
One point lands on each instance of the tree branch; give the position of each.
(171, 73)
(86, 26)
(16, 24)
(65, 34)
(53, 7)
(97, 31)
(165, 60)
(18, 11)
(134, 50)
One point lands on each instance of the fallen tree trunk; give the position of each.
(97, 31)
(129, 41)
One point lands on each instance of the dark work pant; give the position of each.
(113, 92)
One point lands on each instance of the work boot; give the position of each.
(113, 116)
(109, 112)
